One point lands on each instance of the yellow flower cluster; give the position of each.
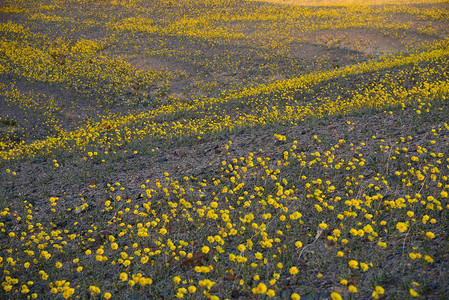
(320, 209)
(363, 215)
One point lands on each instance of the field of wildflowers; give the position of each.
(227, 149)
